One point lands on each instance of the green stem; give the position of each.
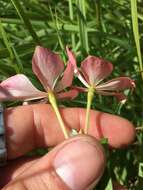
(98, 15)
(90, 96)
(71, 14)
(83, 34)
(53, 102)
(19, 8)
(134, 14)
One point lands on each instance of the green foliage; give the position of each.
(134, 13)
(102, 28)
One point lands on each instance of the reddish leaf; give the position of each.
(19, 87)
(95, 69)
(47, 66)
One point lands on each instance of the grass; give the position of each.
(134, 13)
(110, 29)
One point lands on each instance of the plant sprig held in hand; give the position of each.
(92, 72)
(49, 69)
(55, 78)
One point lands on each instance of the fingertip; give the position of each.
(119, 131)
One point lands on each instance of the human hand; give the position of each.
(76, 163)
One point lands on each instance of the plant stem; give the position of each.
(53, 102)
(19, 8)
(90, 96)
(83, 34)
(71, 14)
(98, 15)
(134, 14)
(139, 128)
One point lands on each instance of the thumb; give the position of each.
(76, 164)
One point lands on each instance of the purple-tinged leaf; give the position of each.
(117, 84)
(47, 66)
(95, 69)
(19, 87)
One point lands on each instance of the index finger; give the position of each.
(33, 126)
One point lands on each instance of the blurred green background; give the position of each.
(109, 29)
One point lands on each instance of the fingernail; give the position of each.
(80, 163)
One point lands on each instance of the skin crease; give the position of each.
(30, 123)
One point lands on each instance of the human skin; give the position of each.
(34, 126)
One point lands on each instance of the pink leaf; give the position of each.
(95, 69)
(67, 78)
(71, 94)
(80, 89)
(116, 84)
(19, 87)
(72, 59)
(47, 66)
(119, 95)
